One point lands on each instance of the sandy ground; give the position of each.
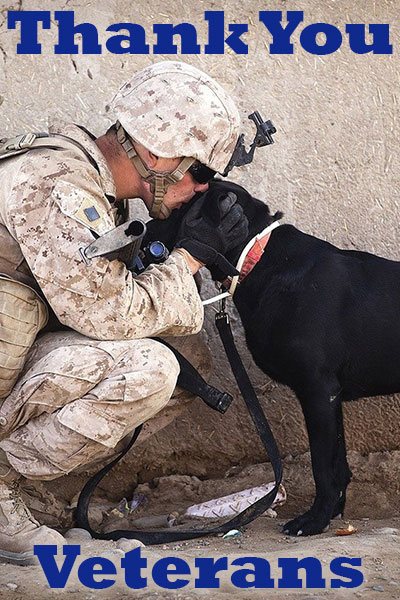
(376, 543)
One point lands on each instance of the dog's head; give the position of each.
(257, 213)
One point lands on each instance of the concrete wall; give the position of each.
(333, 171)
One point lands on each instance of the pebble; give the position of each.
(126, 544)
(12, 586)
(78, 534)
(378, 588)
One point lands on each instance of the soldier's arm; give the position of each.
(102, 300)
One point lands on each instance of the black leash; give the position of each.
(192, 381)
(250, 398)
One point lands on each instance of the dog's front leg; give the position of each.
(320, 413)
(342, 471)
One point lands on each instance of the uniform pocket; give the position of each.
(22, 315)
(99, 426)
(59, 260)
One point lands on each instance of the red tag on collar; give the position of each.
(253, 256)
(250, 261)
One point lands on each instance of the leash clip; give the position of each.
(222, 314)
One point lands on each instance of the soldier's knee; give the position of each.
(165, 368)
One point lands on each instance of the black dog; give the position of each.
(325, 322)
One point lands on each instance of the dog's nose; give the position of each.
(201, 187)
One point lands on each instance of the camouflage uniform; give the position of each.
(83, 391)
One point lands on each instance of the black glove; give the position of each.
(212, 226)
(209, 257)
(216, 220)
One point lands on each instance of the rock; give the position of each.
(126, 544)
(77, 534)
(12, 586)
(378, 588)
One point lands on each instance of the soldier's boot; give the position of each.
(19, 531)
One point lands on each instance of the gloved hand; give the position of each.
(216, 220)
(209, 257)
(209, 234)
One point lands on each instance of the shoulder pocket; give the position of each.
(69, 230)
(84, 206)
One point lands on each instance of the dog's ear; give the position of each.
(215, 204)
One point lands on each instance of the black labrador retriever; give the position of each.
(325, 322)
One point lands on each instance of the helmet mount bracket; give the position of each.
(263, 137)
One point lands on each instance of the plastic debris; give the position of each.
(233, 533)
(137, 501)
(122, 510)
(349, 530)
(125, 508)
(233, 504)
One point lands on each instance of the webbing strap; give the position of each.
(159, 182)
(23, 143)
(261, 424)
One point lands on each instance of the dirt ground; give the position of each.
(334, 173)
(376, 541)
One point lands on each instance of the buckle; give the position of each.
(20, 142)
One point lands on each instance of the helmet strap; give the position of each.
(159, 182)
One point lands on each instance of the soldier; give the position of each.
(80, 393)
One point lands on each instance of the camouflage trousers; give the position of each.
(79, 400)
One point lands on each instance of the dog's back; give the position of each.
(322, 320)
(308, 304)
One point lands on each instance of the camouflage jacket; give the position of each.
(43, 225)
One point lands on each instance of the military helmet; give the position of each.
(174, 110)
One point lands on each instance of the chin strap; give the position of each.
(159, 182)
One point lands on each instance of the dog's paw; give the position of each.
(307, 524)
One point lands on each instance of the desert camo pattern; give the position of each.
(175, 110)
(79, 400)
(43, 222)
(83, 391)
